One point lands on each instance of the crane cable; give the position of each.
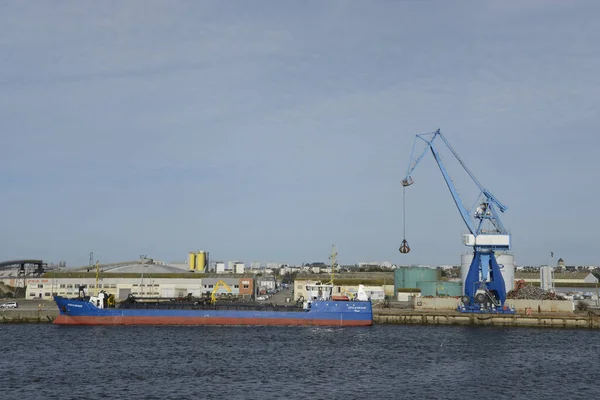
(404, 247)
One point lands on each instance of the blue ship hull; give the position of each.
(321, 313)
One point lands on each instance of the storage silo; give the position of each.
(547, 278)
(399, 279)
(419, 274)
(427, 288)
(440, 288)
(505, 262)
(192, 261)
(450, 288)
(200, 261)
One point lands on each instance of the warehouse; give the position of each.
(377, 284)
(138, 279)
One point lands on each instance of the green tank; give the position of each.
(440, 288)
(408, 278)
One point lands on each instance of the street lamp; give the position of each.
(142, 285)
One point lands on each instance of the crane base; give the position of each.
(485, 310)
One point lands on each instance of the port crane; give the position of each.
(484, 287)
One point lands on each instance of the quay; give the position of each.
(588, 319)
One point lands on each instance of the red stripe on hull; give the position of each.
(68, 320)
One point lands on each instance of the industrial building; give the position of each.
(378, 285)
(148, 285)
(142, 278)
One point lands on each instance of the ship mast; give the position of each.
(332, 257)
(97, 273)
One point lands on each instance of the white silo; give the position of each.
(547, 278)
(465, 263)
(506, 262)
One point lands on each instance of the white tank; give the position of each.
(547, 278)
(505, 261)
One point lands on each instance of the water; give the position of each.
(379, 362)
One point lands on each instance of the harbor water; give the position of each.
(379, 362)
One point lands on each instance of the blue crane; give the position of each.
(484, 288)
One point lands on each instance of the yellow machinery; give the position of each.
(111, 301)
(213, 296)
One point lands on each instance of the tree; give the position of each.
(289, 277)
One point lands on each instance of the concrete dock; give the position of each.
(587, 320)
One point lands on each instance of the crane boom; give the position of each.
(487, 209)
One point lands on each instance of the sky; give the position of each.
(267, 131)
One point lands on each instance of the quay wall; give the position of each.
(403, 317)
(450, 303)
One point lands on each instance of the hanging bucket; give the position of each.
(404, 248)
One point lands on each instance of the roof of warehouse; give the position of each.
(144, 269)
(564, 275)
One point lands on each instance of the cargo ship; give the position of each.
(319, 309)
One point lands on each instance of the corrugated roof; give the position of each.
(536, 275)
(145, 269)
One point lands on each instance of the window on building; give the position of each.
(62, 286)
(114, 285)
(246, 287)
(236, 286)
(40, 286)
(69, 286)
(32, 294)
(210, 286)
(47, 294)
(92, 286)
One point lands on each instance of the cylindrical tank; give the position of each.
(506, 262)
(440, 288)
(419, 274)
(465, 263)
(200, 261)
(427, 288)
(191, 261)
(399, 279)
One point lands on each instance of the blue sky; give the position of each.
(270, 130)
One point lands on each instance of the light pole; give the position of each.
(142, 284)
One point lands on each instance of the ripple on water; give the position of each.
(407, 362)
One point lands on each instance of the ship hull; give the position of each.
(322, 313)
